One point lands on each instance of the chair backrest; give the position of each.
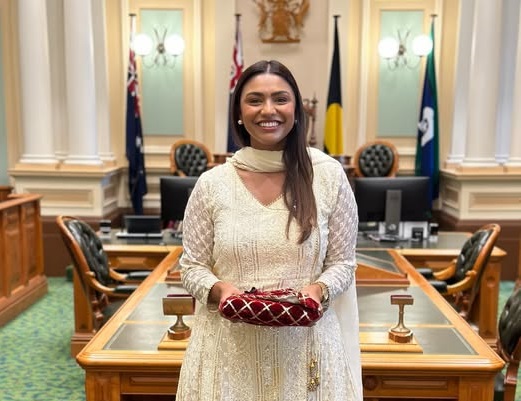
(470, 265)
(91, 249)
(475, 252)
(88, 257)
(189, 158)
(509, 342)
(378, 158)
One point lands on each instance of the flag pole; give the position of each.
(132, 26)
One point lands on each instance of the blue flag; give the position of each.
(137, 181)
(427, 147)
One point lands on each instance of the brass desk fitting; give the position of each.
(400, 333)
(179, 305)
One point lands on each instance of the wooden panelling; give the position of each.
(22, 278)
(4, 192)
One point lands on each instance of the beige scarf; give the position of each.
(261, 161)
(269, 161)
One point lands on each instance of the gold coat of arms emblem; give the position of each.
(281, 21)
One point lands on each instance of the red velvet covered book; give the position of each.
(283, 307)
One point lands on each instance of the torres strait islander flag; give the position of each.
(427, 147)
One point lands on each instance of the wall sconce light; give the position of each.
(395, 50)
(163, 50)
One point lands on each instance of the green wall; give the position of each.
(162, 86)
(4, 178)
(399, 89)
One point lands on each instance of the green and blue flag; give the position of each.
(427, 147)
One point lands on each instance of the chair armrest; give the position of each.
(131, 276)
(138, 275)
(117, 276)
(439, 285)
(446, 273)
(460, 286)
(426, 272)
(109, 291)
(125, 289)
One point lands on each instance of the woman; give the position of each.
(275, 215)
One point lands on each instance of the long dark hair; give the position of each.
(298, 185)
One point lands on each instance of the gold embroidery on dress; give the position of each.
(313, 372)
(314, 376)
(267, 204)
(251, 248)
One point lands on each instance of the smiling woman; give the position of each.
(280, 108)
(265, 219)
(268, 111)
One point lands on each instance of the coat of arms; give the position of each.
(281, 20)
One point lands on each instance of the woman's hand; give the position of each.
(314, 291)
(222, 290)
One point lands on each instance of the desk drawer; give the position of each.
(153, 383)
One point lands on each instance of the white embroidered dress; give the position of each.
(229, 235)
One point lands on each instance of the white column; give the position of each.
(35, 73)
(507, 78)
(515, 133)
(483, 87)
(80, 78)
(101, 73)
(58, 87)
(462, 82)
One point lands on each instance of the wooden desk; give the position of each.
(122, 361)
(438, 254)
(22, 278)
(136, 253)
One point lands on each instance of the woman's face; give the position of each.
(267, 111)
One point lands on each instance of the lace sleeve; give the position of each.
(197, 260)
(340, 261)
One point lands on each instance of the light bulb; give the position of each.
(142, 44)
(388, 47)
(422, 45)
(174, 45)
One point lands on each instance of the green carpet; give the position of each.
(35, 359)
(35, 362)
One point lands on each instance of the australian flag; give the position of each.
(236, 71)
(137, 181)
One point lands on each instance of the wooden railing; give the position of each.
(22, 279)
(5, 191)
